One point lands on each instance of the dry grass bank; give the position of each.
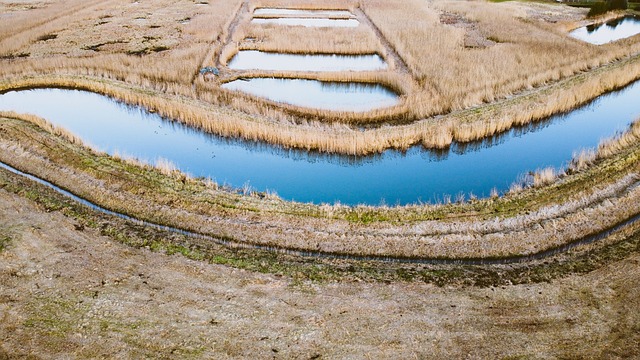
(73, 291)
(159, 45)
(304, 40)
(524, 223)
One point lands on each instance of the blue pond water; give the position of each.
(391, 177)
(612, 30)
(307, 22)
(329, 95)
(252, 59)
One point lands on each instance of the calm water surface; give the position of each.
(613, 30)
(300, 12)
(318, 94)
(308, 22)
(253, 59)
(391, 177)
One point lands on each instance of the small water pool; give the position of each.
(307, 22)
(260, 60)
(301, 12)
(610, 31)
(327, 95)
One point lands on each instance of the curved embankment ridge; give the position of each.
(586, 240)
(438, 132)
(587, 202)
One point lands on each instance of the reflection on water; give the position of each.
(342, 96)
(252, 59)
(392, 177)
(300, 12)
(613, 30)
(307, 22)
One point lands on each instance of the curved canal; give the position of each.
(392, 177)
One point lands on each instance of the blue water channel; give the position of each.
(389, 178)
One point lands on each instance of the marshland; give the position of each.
(445, 147)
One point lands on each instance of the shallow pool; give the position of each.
(301, 12)
(260, 60)
(327, 95)
(613, 30)
(307, 22)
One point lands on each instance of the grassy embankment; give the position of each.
(521, 223)
(174, 199)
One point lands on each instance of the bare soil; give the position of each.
(68, 292)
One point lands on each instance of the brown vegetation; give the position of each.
(467, 125)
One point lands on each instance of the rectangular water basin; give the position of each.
(307, 22)
(301, 13)
(327, 95)
(260, 60)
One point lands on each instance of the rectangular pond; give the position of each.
(307, 22)
(610, 31)
(327, 95)
(260, 60)
(301, 12)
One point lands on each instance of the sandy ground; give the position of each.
(67, 292)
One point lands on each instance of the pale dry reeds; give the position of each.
(426, 45)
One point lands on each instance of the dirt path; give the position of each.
(69, 292)
(217, 44)
(398, 63)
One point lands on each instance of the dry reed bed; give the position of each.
(528, 52)
(302, 40)
(160, 44)
(589, 201)
(462, 126)
(23, 27)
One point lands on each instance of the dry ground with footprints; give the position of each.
(68, 292)
(76, 283)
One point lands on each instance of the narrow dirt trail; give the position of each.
(214, 51)
(399, 64)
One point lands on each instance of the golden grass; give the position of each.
(528, 52)
(23, 27)
(160, 44)
(306, 40)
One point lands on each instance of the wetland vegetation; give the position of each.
(467, 97)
